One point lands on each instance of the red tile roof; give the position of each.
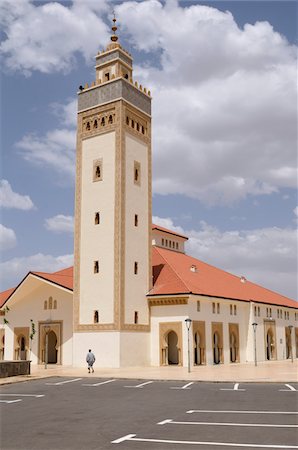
(172, 275)
(174, 233)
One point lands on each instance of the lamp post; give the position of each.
(290, 328)
(255, 340)
(188, 325)
(46, 329)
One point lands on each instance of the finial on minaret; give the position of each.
(114, 37)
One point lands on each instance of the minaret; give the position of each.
(112, 270)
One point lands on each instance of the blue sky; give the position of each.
(223, 81)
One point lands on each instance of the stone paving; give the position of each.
(273, 371)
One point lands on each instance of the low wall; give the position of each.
(14, 368)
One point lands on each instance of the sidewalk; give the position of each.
(273, 371)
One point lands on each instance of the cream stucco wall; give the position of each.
(97, 241)
(136, 238)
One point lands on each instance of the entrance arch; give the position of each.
(288, 344)
(53, 331)
(173, 354)
(198, 350)
(216, 349)
(233, 347)
(269, 345)
(52, 347)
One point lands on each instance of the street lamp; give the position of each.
(188, 325)
(255, 340)
(46, 329)
(290, 328)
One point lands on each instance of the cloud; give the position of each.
(7, 238)
(266, 256)
(60, 224)
(34, 33)
(14, 270)
(224, 108)
(55, 150)
(66, 112)
(11, 199)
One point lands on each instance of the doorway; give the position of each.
(216, 350)
(172, 339)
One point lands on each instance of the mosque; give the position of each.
(134, 296)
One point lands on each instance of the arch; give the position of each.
(88, 126)
(198, 349)
(52, 347)
(288, 344)
(216, 348)
(103, 122)
(110, 119)
(269, 344)
(172, 341)
(95, 124)
(22, 347)
(233, 347)
(296, 341)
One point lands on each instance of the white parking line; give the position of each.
(139, 385)
(23, 395)
(191, 411)
(99, 384)
(131, 437)
(291, 389)
(228, 424)
(11, 401)
(184, 387)
(64, 382)
(235, 388)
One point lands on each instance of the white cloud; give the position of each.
(60, 224)
(49, 37)
(7, 238)
(11, 199)
(225, 118)
(67, 112)
(14, 270)
(56, 150)
(264, 256)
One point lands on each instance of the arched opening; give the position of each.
(88, 126)
(288, 345)
(233, 348)
(198, 350)
(52, 350)
(269, 345)
(110, 119)
(216, 350)
(22, 345)
(95, 125)
(172, 339)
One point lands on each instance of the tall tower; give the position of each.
(113, 214)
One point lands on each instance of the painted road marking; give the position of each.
(191, 411)
(291, 389)
(24, 395)
(140, 385)
(99, 384)
(184, 387)
(235, 388)
(11, 401)
(228, 424)
(131, 437)
(64, 382)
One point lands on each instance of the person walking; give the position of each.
(90, 359)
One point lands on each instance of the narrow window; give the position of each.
(136, 318)
(277, 313)
(213, 308)
(97, 170)
(110, 119)
(137, 173)
(166, 242)
(198, 306)
(235, 310)
(132, 123)
(127, 120)
(218, 308)
(285, 316)
(231, 309)
(143, 130)
(45, 305)
(126, 76)
(96, 267)
(95, 123)
(136, 220)
(170, 244)
(88, 126)
(95, 317)
(107, 76)
(270, 312)
(288, 315)
(259, 311)
(177, 247)
(255, 310)
(103, 122)
(138, 126)
(162, 241)
(50, 303)
(97, 218)
(267, 314)
(136, 268)
(55, 304)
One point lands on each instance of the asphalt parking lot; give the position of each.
(61, 413)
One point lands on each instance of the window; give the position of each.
(107, 76)
(218, 308)
(55, 304)
(213, 308)
(97, 218)
(270, 313)
(95, 123)
(285, 315)
(110, 119)
(170, 244)
(143, 130)
(137, 173)
(88, 126)
(231, 309)
(288, 315)
(255, 311)
(95, 317)
(50, 302)
(198, 306)
(166, 242)
(96, 267)
(132, 123)
(127, 120)
(235, 310)
(259, 311)
(136, 268)
(277, 313)
(267, 312)
(45, 305)
(103, 122)
(138, 126)
(162, 241)
(177, 247)
(97, 170)
(136, 220)
(136, 318)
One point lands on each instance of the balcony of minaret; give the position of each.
(99, 81)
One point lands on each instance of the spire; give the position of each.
(114, 37)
